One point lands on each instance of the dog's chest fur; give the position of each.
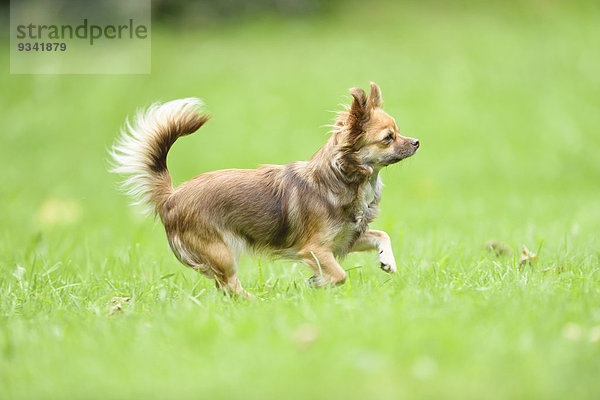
(359, 213)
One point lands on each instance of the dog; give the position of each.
(314, 211)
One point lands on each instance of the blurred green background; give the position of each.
(504, 97)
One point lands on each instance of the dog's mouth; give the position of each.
(399, 157)
(395, 160)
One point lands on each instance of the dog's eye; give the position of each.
(389, 138)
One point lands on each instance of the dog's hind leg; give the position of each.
(214, 260)
(325, 266)
(223, 263)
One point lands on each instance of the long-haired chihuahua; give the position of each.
(313, 211)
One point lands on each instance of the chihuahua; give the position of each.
(314, 211)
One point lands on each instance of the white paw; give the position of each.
(316, 281)
(387, 262)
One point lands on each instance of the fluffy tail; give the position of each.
(140, 153)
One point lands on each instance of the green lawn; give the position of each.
(505, 102)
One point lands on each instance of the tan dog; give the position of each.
(312, 211)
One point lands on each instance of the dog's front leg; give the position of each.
(380, 241)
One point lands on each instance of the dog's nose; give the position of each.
(415, 142)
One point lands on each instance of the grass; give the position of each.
(504, 100)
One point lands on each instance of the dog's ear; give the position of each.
(375, 99)
(359, 104)
(358, 114)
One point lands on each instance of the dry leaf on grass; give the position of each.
(527, 256)
(117, 304)
(558, 269)
(117, 299)
(498, 248)
(117, 307)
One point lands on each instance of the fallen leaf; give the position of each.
(558, 269)
(498, 248)
(117, 299)
(527, 256)
(117, 307)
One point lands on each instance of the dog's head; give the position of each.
(371, 134)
